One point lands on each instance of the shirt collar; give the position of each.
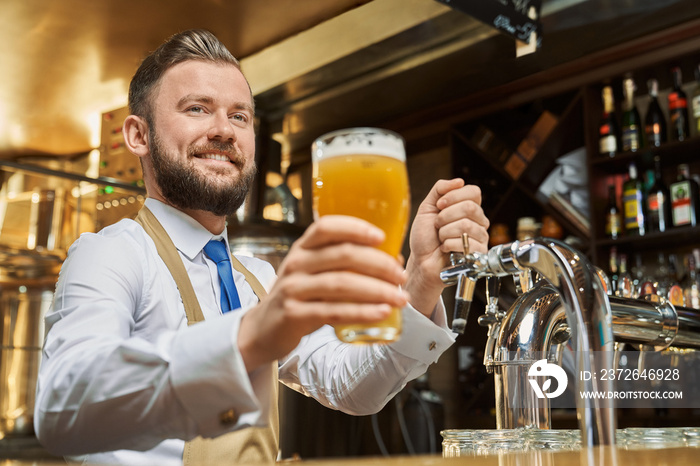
(187, 234)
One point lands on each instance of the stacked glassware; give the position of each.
(478, 442)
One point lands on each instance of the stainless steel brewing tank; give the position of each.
(27, 284)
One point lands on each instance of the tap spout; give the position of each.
(465, 289)
(463, 302)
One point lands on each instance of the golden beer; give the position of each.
(361, 172)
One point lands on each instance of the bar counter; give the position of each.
(599, 456)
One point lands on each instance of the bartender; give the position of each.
(150, 359)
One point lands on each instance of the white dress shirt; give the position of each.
(125, 380)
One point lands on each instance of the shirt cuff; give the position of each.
(210, 379)
(424, 339)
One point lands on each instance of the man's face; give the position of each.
(202, 143)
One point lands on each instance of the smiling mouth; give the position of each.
(218, 151)
(219, 157)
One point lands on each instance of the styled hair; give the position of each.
(194, 44)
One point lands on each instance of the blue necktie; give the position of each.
(216, 250)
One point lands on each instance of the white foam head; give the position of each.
(359, 141)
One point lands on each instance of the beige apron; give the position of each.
(251, 445)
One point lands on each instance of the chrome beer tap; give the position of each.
(570, 305)
(586, 307)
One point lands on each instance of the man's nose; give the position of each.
(221, 128)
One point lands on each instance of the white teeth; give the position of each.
(219, 157)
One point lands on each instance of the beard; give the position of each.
(187, 188)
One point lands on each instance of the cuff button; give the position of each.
(228, 417)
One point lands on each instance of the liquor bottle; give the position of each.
(655, 122)
(673, 268)
(643, 285)
(632, 139)
(551, 228)
(690, 284)
(678, 108)
(613, 216)
(684, 198)
(663, 276)
(625, 287)
(695, 101)
(675, 292)
(633, 204)
(658, 201)
(609, 133)
(613, 271)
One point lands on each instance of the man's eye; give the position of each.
(239, 117)
(196, 109)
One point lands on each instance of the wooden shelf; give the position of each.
(655, 240)
(671, 153)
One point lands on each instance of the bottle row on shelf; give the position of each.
(527, 227)
(633, 133)
(661, 280)
(647, 204)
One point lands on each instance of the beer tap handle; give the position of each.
(464, 295)
(493, 287)
(492, 320)
(523, 281)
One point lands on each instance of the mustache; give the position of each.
(221, 147)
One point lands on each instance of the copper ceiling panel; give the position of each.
(65, 62)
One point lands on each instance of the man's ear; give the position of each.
(135, 132)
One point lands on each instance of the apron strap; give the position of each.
(168, 252)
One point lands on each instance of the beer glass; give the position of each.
(361, 172)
